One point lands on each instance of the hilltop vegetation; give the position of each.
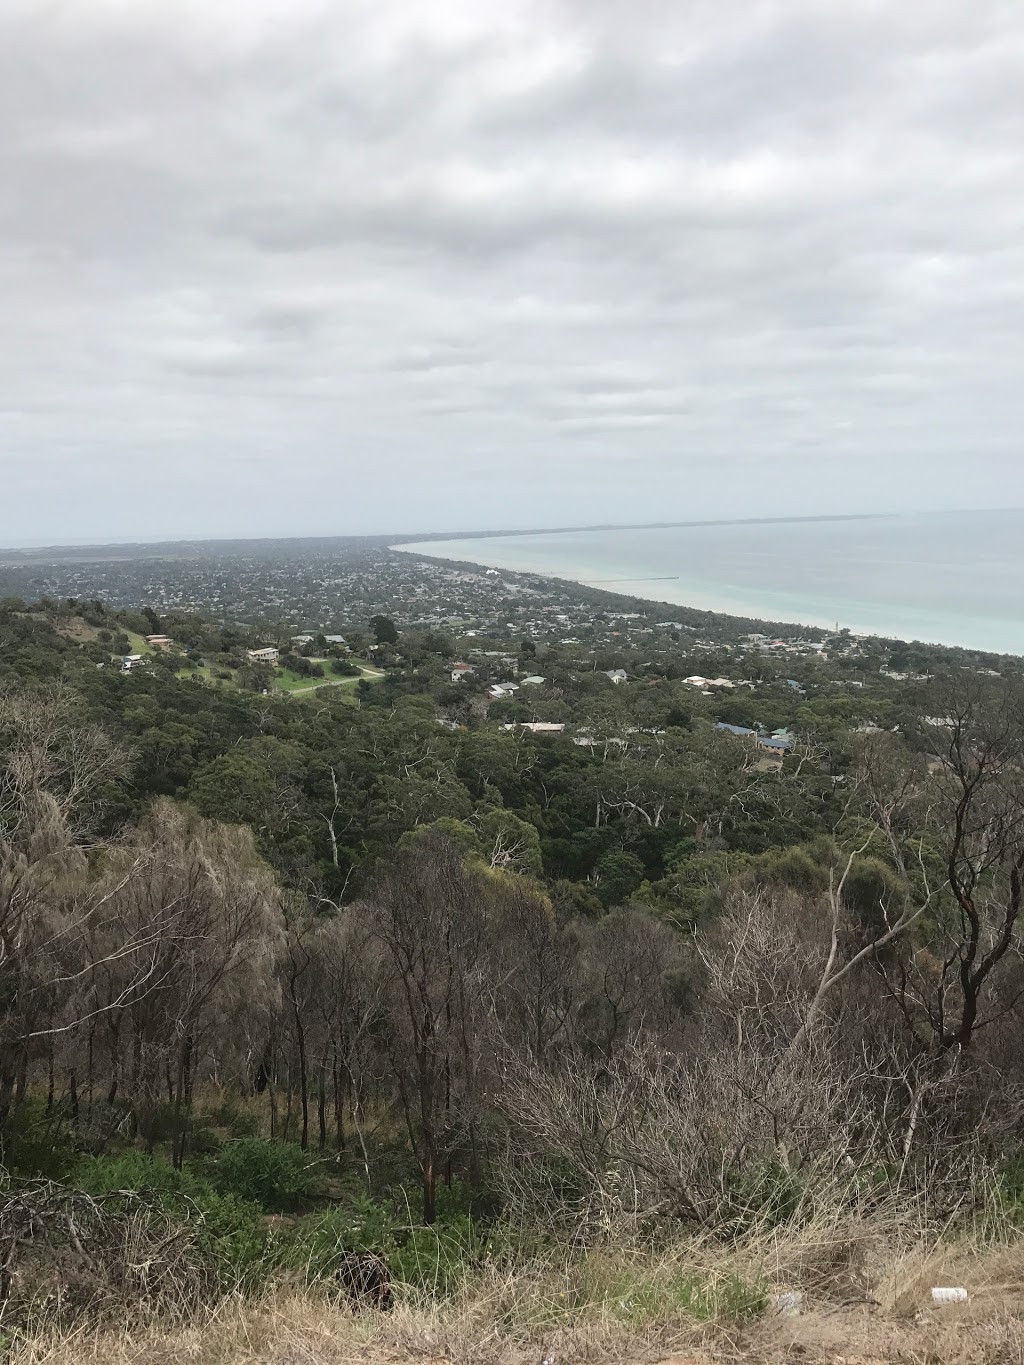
(288, 980)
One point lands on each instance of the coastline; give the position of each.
(688, 591)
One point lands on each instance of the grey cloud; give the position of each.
(432, 256)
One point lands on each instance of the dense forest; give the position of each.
(433, 985)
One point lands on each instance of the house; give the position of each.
(265, 654)
(130, 661)
(695, 680)
(159, 641)
(616, 675)
(585, 740)
(538, 727)
(532, 681)
(502, 691)
(460, 671)
(740, 731)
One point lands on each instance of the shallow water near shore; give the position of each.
(954, 578)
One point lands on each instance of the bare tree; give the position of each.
(428, 913)
(195, 921)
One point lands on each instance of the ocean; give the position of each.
(954, 578)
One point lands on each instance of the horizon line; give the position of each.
(396, 538)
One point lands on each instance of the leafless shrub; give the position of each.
(66, 1255)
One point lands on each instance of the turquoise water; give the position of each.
(950, 578)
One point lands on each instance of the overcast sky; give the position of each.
(323, 266)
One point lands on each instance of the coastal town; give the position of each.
(335, 587)
(491, 647)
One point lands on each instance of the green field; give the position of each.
(138, 644)
(295, 684)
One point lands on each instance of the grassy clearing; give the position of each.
(294, 684)
(347, 694)
(297, 685)
(287, 681)
(205, 672)
(138, 643)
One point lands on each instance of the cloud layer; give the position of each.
(285, 266)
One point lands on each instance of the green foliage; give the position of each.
(1009, 1202)
(793, 869)
(645, 1295)
(434, 1260)
(694, 888)
(437, 1260)
(653, 809)
(316, 1243)
(231, 1232)
(618, 875)
(34, 1142)
(458, 832)
(235, 1235)
(573, 900)
(384, 630)
(279, 1176)
(511, 842)
(869, 888)
(761, 1194)
(129, 1170)
(233, 1116)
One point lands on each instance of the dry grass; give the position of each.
(866, 1299)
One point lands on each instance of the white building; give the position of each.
(265, 654)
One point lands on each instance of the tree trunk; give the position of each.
(73, 1100)
(429, 1185)
(181, 1093)
(321, 1107)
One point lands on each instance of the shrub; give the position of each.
(35, 1143)
(130, 1170)
(229, 1233)
(318, 1242)
(202, 1138)
(234, 1117)
(276, 1175)
(764, 1194)
(235, 1236)
(437, 1260)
